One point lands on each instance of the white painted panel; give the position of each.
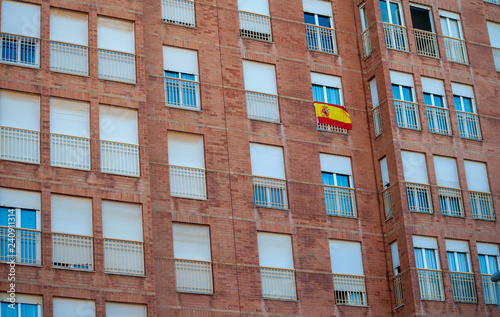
(267, 161)
(446, 172)
(385, 172)
(448, 14)
(20, 18)
(23, 299)
(415, 169)
(71, 215)
(19, 110)
(326, 80)
(69, 118)
(456, 246)
(125, 310)
(401, 79)
(20, 199)
(275, 250)
(374, 92)
(433, 86)
(185, 149)
(115, 35)
(121, 221)
(487, 249)
(191, 242)
(335, 164)
(477, 177)
(254, 6)
(118, 125)
(69, 27)
(346, 257)
(318, 7)
(63, 307)
(180, 60)
(462, 90)
(424, 242)
(395, 255)
(260, 77)
(494, 32)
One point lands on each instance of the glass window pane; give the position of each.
(383, 10)
(493, 262)
(395, 13)
(458, 103)
(407, 96)
(454, 29)
(318, 94)
(438, 101)
(171, 74)
(4, 216)
(467, 104)
(324, 21)
(430, 257)
(419, 258)
(29, 310)
(327, 178)
(444, 27)
(332, 96)
(482, 264)
(7, 311)
(309, 18)
(463, 265)
(187, 76)
(451, 261)
(395, 92)
(28, 219)
(342, 180)
(427, 99)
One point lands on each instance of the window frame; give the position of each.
(462, 107)
(399, 12)
(19, 306)
(451, 16)
(455, 258)
(488, 268)
(424, 258)
(429, 11)
(400, 87)
(363, 17)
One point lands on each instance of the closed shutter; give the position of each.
(415, 169)
(255, 6)
(346, 257)
(374, 92)
(118, 125)
(402, 79)
(63, 307)
(385, 172)
(433, 86)
(446, 172)
(259, 77)
(267, 161)
(180, 60)
(121, 310)
(20, 199)
(494, 33)
(477, 177)
(191, 242)
(122, 221)
(462, 90)
(19, 110)
(185, 150)
(318, 6)
(424, 242)
(69, 27)
(69, 118)
(115, 35)
(20, 18)
(335, 164)
(71, 215)
(275, 250)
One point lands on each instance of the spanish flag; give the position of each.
(334, 115)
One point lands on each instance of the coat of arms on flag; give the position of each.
(334, 115)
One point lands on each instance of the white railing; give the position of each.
(481, 206)
(21, 245)
(455, 50)
(123, 257)
(377, 121)
(187, 182)
(389, 212)
(262, 106)
(116, 66)
(20, 50)
(278, 283)
(367, 45)
(178, 12)
(182, 93)
(270, 193)
(349, 290)
(255, 26)
(431, 284)
(19, 145)
(426, 43)
(395, 37)
(438, 120)
(490, 290)
(69, 58)
(193, 277)
(496, 58)
(339, 201)
(468, 125)
(69, 151)
(407, 114)
(120, 158)
(419, 198)
(330, 128)
(450, 200)
(462, 285)
(72, 252)
(321, 39)
(398, 290)
(492, 1)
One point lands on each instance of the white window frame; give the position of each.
(429, 10)
(462, 108)
(451, 16)
(424, 258)
(400, 12)
(364, 19)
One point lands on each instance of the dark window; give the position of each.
(421, 19)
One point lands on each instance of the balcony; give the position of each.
(262, 107)
(278, 283)
(21, 245)
(455, 50)
(116, 66)
(193, 277)
(377, 121)
(321, 39)
(407, 115)
(179, 12)
(386, 194)
(395, 37)
(493, 1)
(463, 287)
(431, 284)
(481, 206)
(20, 50)
(187, 182)
(182, 94)
(438, 120)
(367, 46)
(468, 125)
(349, 290)
(419, 198)
(69, 58)
(70, 152)
(496, 57)
(123, 257)
(120, 158)
(255, 26)
(72, 252)
(398, 290)
(426, 43)
(19, 145)
(450, 201)
(339, 201)
(270, 193)
(490, 290)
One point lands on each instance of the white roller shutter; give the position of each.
(433, 86)
(115, 35)
(63, 307)
(254, 6)
(446, 172)
(494, 33)
(125, 310)
(477, 177)
(69, 118)
(487, 249)
(267, 161)
(191, 242)
(462, 90)
(415, 169)
(374, 92)
(20, 199)
(69, 27)
(326, 80)
(20, 18)
(180, 60)
(395, 255)
(318, 7)
(385, 172)
(71, 215)
(457, 246)
(402, 79)
(424, 242)
(121, 221)
(19, 110)
(275, 250)
(185, 150)
(118, 125)
(346, 257)
(259, 77)
(335, 164)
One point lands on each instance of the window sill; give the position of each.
(21, 65)
(281, 299)
(172, 22)
(126, 274)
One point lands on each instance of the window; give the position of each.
(425, 36)
(386, 193)
(261, 91)
(338, 189)
(319, 26)
(179, 12)
(479, 191)
(489, 263)
(395, 258)
(450, 195)
(365, 35)
(417, 184)
(20, 226)
(462, 279)
(348, 276)
(72, 243)
(398, 280)
(186, 165)
(130, 310)
(254, 20)
(453, 37)
(468, 121)
(494, 33)
(428, 268)
(69, 134)
(181, 78)
(269, 181)
(193, 262)
(377, 119)
(63, 307)
(394, 30)
(20, 41)
(438, 118)
(327, 89)
(24, 305)
(404, 101)
(276, 266)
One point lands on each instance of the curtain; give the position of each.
(431, 259)
(419, 258)
(482, 264)
(318, 94)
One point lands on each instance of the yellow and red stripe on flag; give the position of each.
(334, 115)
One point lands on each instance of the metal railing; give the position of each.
(492, 1)
(468, 125)
(187, 182)
(321, 39)
(270, 193)
(20, 50)
(340, 201)
(27, 244)
(395, 37)
(349, 290)
(431, 284)
(181, 93)
(389, 212)
(407, 114)
(377, 121)
(398, 290)
(455, 50)
(490, 290)
(278, 283)
(496, 58)
(116, 66)
(193, 276)
(450, 201)
(255, 26)
(120, 158)
(438, 120)
(330, 128)
(426, 43)
(69, 58)
(69, 151)
(367, 45)
(72, 252)
(123, 257)
(179, 12)
(19, 145)
(463, 287)
(481, 206)
(419, 198)
(262, 106)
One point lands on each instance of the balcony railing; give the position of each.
(450, 200)
(490, 290)
(69, 151)
(455, 50)
(20, 50)
(468, 125)
(339, 201)
(398, 290)
(426, 43)
(116, 66)
(377, 121)
(496, 58)
(181, 93)
(386, 194)
(395, 37)
(270, 193)
(482, 206)
(72, 252)
(120, 158)
(126, 257)
(431, 284)
(69, 58)
(193, 276)
(21, 245)
(262, 107)
(349, 290)
(407, 114)
(187, 182)
(19, 145)
(330, 128)
(492, 1)
(419, 198)
(367, 45)
(321, 39)
(463, 287)
(179, 12)
(255, 26)
(278, 283)
(438, 120)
